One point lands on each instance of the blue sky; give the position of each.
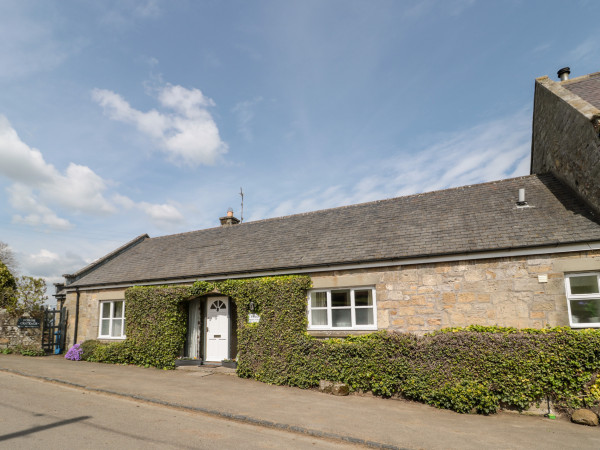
(119, 118)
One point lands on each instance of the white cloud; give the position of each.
(24, 199)
(19, 162)
(245, 114)
(51, 266)
(37, 183)
(123, 201)
(162, 215)
(188, 134)
(38, 188)
(491, 151)
(46, 263)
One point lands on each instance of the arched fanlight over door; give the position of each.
(218, 305)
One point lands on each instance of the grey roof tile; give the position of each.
(466, 219)
(587, 87)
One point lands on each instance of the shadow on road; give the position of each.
(32, 430)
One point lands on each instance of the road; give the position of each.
(35, 414)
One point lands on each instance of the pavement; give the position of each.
(356, 420)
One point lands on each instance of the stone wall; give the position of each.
(427, 297)
(565, 139)
(504, 291)
(89, 312)
(12, 336)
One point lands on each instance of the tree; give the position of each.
(31, 294)
(7, 256)
(8, 287)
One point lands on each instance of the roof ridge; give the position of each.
(354, 205)
(108, 256)
(579, 79)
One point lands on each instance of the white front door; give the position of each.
(217, 329)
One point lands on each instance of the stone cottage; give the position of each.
(521, 252)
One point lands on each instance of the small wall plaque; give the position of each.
(28, 322)
(253, 318)
(542, 278)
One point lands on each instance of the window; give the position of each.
(112, 320)
(583, 298)
(342, 309)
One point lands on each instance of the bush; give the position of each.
(27, 350)
(87, 348)
(113, 353)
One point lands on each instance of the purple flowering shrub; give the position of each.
(74, 353)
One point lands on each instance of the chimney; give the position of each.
(521, 201)
(563, 73)
(229, 220)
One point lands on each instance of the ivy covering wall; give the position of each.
(155, 326)
(471, 369)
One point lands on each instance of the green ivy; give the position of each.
(472, 369)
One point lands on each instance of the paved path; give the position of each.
(35, 414)
(362, 420)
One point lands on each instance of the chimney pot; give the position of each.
(563, 73)
(521, 201)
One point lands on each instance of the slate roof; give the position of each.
(587, 87)
(475, 218)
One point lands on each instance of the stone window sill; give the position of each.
(322, 334)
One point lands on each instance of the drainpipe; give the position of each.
(76, 317)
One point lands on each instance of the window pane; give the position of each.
(106, 310)
(584, 285)
(585, 311)
(319, 317)
(364, 316)
(117, 328)
(340, 298)
(118, 311)
(105, 327)
(341, 317)
(363, 298)
(318, 299)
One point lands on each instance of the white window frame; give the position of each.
(353, 307)
(575, 297)
(111, 319)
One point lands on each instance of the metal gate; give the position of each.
(54, 329)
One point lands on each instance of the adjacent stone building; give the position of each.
(522, 252)
(566, 126)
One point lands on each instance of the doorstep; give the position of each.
(207, 369)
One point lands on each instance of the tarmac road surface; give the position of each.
(35, 414)
(276, 411)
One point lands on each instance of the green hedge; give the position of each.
(468, 369)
